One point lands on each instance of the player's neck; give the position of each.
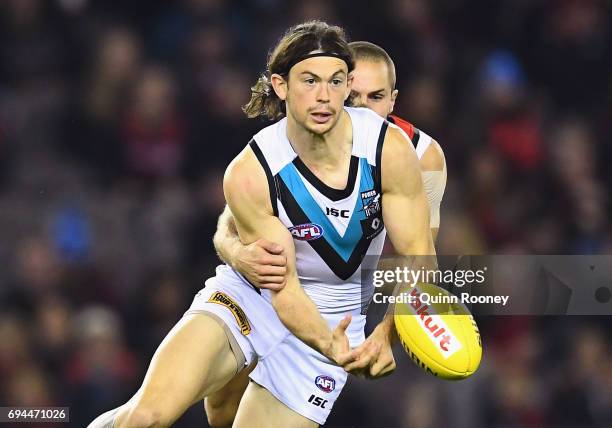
(330, 148)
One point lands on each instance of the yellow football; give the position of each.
(438, 332)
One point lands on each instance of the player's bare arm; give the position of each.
(406, 217)
(405, 211)
(433, 172)
(247, 195)
(262, 262)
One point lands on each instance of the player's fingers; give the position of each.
(371, 349)
(270, 246)
(363, 347)
(274, 260)
(376, 369)
(342, 326)
(386, 371)
(357, 367)
(382, 368)
(365, 359)
(346, 358)
(278, 271)
(274, 286)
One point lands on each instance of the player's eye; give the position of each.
(337, 82)
(377, 97)
(309, 81)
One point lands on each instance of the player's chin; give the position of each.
(321, 128)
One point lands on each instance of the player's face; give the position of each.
(315, 93)
(371, 87)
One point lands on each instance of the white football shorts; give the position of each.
(300, 377)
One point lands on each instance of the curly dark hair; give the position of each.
(297, 42)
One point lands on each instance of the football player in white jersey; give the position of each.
(230, 323)
(263, 262)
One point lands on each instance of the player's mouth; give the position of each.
(321, 116)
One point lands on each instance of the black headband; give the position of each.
(312, 55)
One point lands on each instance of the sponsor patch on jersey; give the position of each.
(224, 300)
(371, 203)
(306, 231)
(325, 383)
(372, 224)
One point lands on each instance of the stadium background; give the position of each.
(118, 118)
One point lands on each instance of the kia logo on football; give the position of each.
(306, 232)
(325, 383)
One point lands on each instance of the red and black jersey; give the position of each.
(407, 127)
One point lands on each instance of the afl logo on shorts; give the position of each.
(325, 383)
(306, 231)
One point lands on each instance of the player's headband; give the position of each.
(312, 55)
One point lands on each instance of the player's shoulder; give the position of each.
(245, 175)
(272, 147)
(403, 124)
(429, 151)
(399, 162)
(433, 157)
(397, 148)
(398, 134)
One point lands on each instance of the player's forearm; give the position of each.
(300, 315)
(227, 247)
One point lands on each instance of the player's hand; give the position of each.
(340, 350)
(374, 357)
(263, 263)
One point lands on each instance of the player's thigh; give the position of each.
(194, 360)
(259, 408)
(221, 406)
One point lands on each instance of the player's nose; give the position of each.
(323, 93)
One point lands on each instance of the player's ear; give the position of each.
(279, 84)
(393, 98)
(349, 85)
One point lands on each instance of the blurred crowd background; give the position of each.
(117, 120)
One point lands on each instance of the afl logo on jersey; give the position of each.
(306, 231)
(325, 383)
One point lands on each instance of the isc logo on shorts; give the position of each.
(224, 300)
(325, 383)
(306, 231)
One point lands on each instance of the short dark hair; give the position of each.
(297, 42)
(367, 51)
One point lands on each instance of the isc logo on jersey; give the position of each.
(306, 231)
(325, 383)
